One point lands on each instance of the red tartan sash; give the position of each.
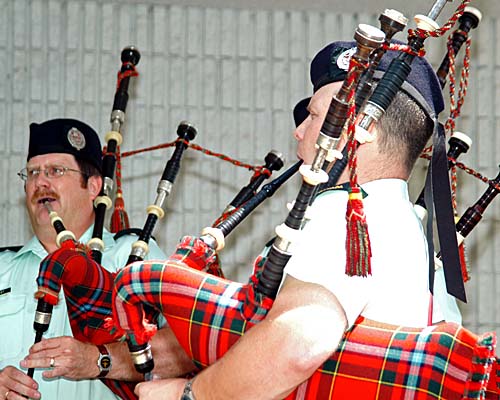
(208, 314)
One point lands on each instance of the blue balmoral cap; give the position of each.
(331, 64)
(64, 135)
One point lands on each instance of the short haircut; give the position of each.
(404, 130)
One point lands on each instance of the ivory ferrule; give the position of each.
(106, 200)
(155, 210)
(140, 249)
(217, 235)
(96, 244)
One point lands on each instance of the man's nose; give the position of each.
(298, 133)
(41, 180)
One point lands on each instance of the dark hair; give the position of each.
(406, 128)
(87, 170)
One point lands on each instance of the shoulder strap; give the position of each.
(11, 248)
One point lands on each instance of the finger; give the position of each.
(12, 376)
(45, 344)
(18, 384)
(137, 389)
(38, 362)
(39, 357)
(57, 368)
(54, 372)
(23, 394)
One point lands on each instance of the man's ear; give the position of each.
(94, 185)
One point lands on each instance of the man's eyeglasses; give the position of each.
(51, 172)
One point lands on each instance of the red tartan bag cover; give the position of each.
(374, 361)
(208, 314)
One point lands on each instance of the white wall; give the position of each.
(235, 71)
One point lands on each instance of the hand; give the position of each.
(64, 356)
(14, 384)
(165, 389)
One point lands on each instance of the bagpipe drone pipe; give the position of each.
(130, 57)
(209, 314)
(83, 304)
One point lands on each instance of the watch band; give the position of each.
(188, 394)
(104, 361)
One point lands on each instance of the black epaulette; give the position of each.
(270, 242)
(328, 186)
(129, 231)
(15, 249)
(325, 187)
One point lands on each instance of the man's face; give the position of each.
(71, 201)
(308, 131)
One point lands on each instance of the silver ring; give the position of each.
(52, 362)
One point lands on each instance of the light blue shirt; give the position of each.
(18, 271)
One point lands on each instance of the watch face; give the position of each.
(105, 362)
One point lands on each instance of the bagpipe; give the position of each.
(75, 268)
(185, 295)
(88, 287)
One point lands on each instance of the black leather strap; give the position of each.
(445, 220)
(104, 361)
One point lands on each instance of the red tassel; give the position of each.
(119, 218)
(358, 249)
(463, 262)
(215, 268)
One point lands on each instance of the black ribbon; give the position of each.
(438, 193)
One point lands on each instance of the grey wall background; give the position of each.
(234, 69)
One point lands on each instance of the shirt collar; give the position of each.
(393, 186)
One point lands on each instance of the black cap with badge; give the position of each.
(330, 64)
(65, 135)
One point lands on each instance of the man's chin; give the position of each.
(299, 157)
(40, 216)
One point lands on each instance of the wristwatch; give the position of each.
(104, 361)
(187, 394)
